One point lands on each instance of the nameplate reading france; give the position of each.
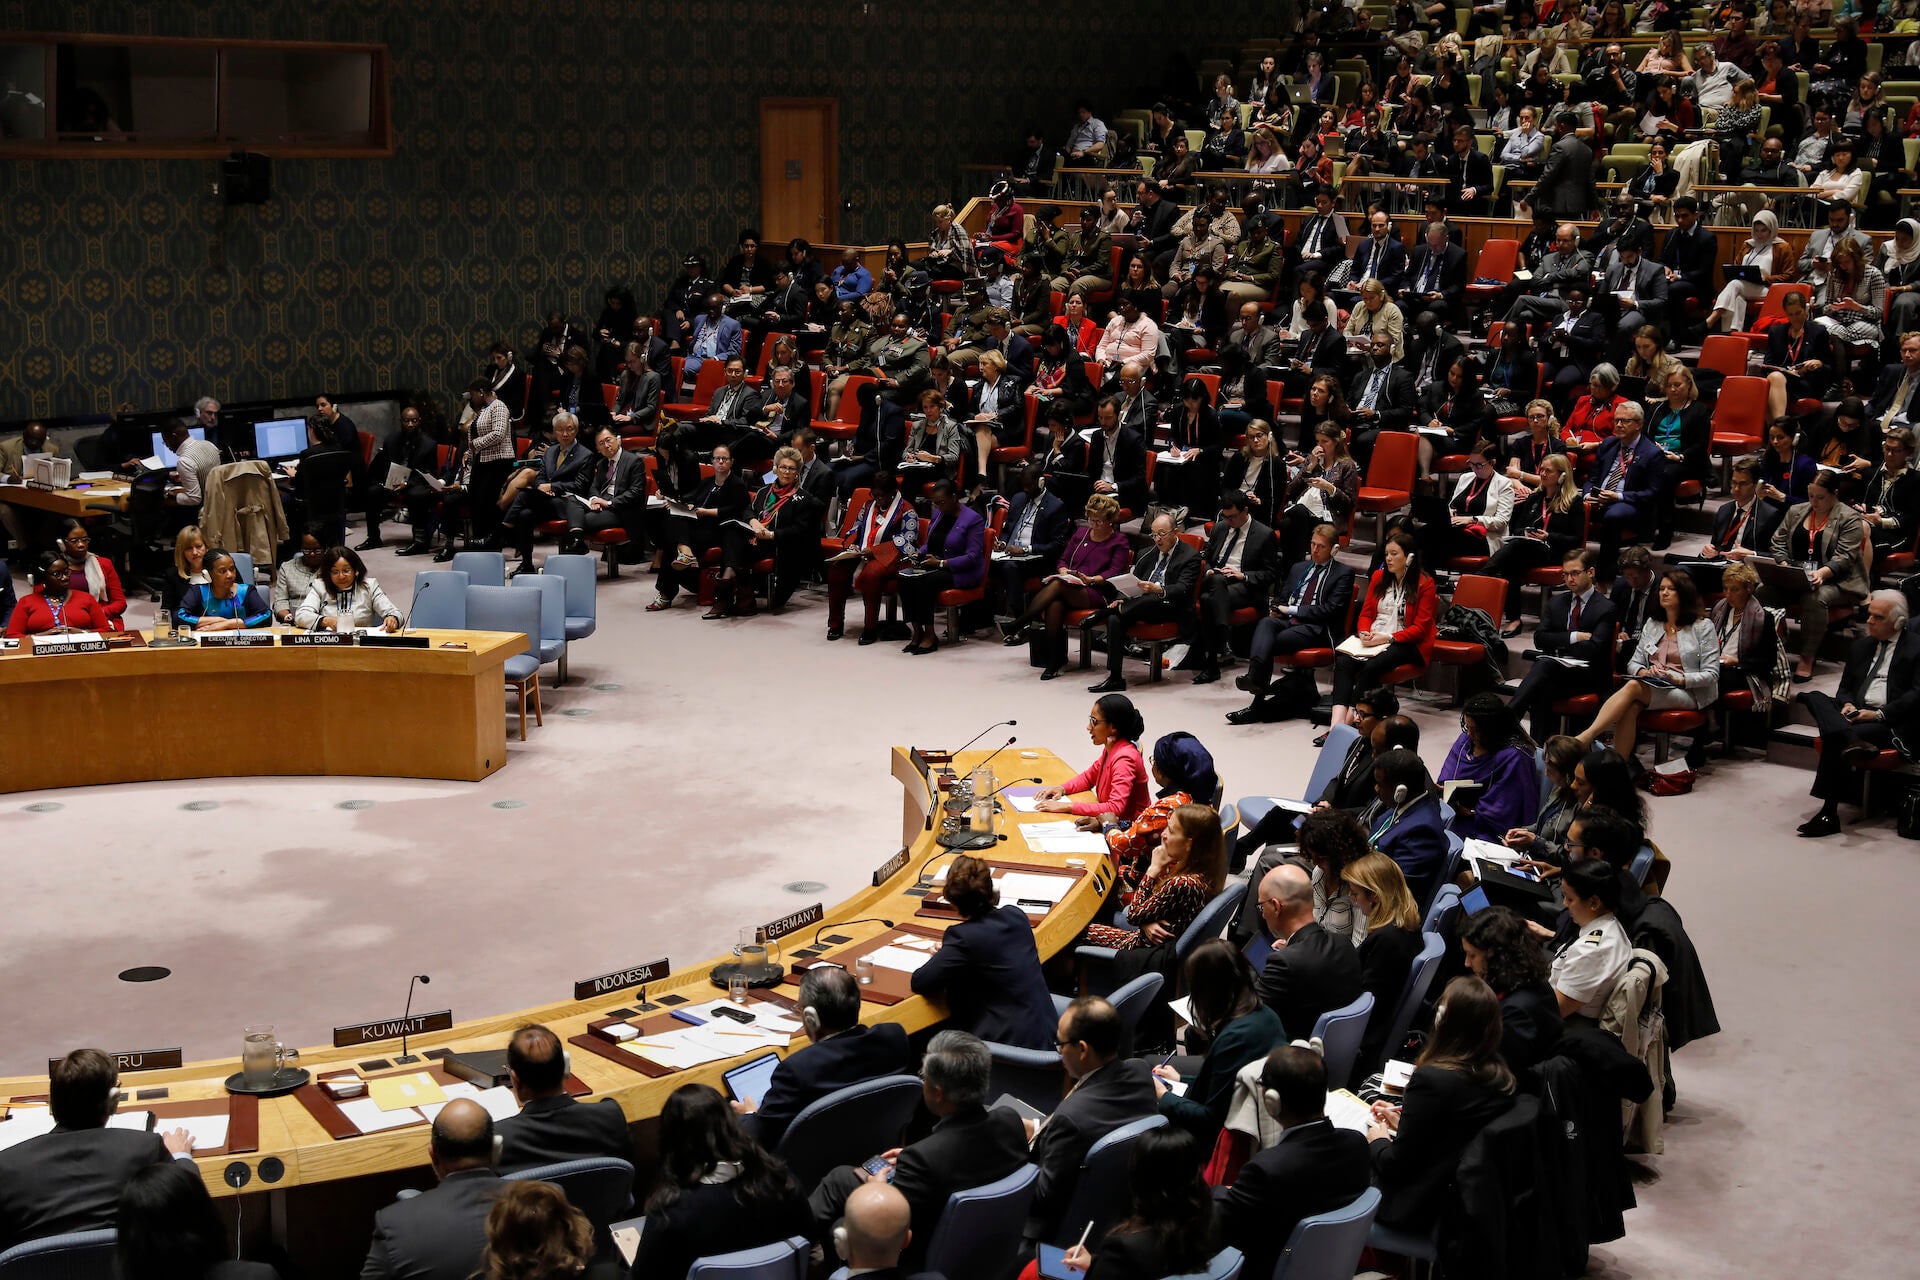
(236, 640)
(888, 869)
(45, 648)
(138, 1060)
(788, 924)
(391, 1028)
(621, 980)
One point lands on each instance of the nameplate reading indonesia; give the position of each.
(391, 1028)
(138, 1060)
(789, 924)
(621, 980)
(237, 640)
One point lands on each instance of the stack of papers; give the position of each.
(766, 1015)
(499, 1102)
(1347, 1111)
(1487, 851)
(366, 1116)
(208, 1131)
(1063, 842)
(1026, 886)
(899, 958)
(401, 1093)
(1022, 799)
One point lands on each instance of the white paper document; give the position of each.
(1291, 806)
(498, 1102)
(23, 1124)
(208, 1131)
(1018, 886)
(1022, 799)
(1126, 584)
(366, 1116)
(674, 1050)
(1078, 842)
(1182, 1009)
(1348, 1112)
(898, 958)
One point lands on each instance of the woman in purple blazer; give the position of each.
(1095, 553)
(955, 557)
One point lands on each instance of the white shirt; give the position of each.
(198, 458)
(1588, 967)
(1236, 545)
(1875, 694)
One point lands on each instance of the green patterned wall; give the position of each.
(542, 153)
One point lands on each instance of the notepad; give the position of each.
(208, 1131)
(1025, 886)
(1348, 1112)
(135, 1121)
(367, 1116)
(498, 1102)
(392, 1093)
(898, 958)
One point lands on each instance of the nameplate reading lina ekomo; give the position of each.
(391, 1028)
(798, 920)
(621, 980)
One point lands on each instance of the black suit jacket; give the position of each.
(1450, 280)
(1129, 466)
(1585, 340)
(1884, 391)
(816, 479)
(1694, 254)
(1396, 402)
(629, 472)
(1600, 619)
(708, 1219)
(1256, 556)
(1118, 1093)
(989, 971)
(1313, 973)
(1183, 571)
(970, 1148)
(550, 1130)
(795, 413)
(809, 1074)
(1314, 1168)
(566, 471)
(1386, 263)
(1352, 787)
(1331, 599)
(1628, 621)
(437, 1235)
(69, 1180)
(1324, 350)
(1051, 526)
(1903, 696)
(1756, 534)
(1414, 1170)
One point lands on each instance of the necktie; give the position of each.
(1899, 404)
(1159, 574)
(1313, 239)
(1427, 274)
(1634, 614)
(1226, 553)
(1618, 475)
(1308, 586)
(1879, 659)
(1733, 532)
(1373, 389)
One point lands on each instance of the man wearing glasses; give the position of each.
(1575, 643)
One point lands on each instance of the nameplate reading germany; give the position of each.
(620, 980)
(392, 1028)
(798, 920)
(138, 1060)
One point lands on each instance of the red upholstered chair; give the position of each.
(1725, 353)
(1739, 421)
(845, 423)
(1016, 455)
(1314, 659)
(1102, 297)
(1772, 308)
(609, 541)
(1498, 260)
(1155, 635)
(1885, 761)
(1473, 592)
(954, 597)
(834, 544)
(1389, 482)
(1660, 725)
(712, 375)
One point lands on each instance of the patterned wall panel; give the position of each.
(543, 152)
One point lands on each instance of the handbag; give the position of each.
(1342, 271)
(1178, 514)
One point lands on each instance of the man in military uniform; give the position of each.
(1226, 227)
(1198, 248)
(1253, 268)
(997, 336)
(1086, 257)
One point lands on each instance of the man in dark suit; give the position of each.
(552, 1126)
(841, 1052)
(1034, 535)
(730, 413)
(1896, 396)
(1117, 457)
(1381, 397)
(1566, 179)
(1624, 483)
(1890, 499)
(781, 309)
(1562, 267)
(1577, 623)
(1303, 615)
(440, 1234)
(1314, 1168)
(614, 495)
(563, 468)
(1378, 255)
(1153, 219)
(1319, 349)
(1469, 174)
(1431, 350)
(1634, 599)
(1877, 706)
(1742, 527)
(816, 474)
(970, 1146)
(70, 1179)
(1108, 1091)
(1138, 410)
(1238, 574)
(1168, 571)
(1690, 256)
(1639, 289)
(408, 447)
(1318, 247)
(781, 412)
(875, 1231)
(1310, 971)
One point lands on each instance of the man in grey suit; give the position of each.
(1565, 265)
(1566, 180)
(1639, 288)
(439, 1234)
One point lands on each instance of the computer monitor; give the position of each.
(168, 458)
(279, 438)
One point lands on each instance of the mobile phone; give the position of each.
(728, 1011)
(876, 1165)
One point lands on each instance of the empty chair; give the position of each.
(79, 1255)
(1329, 1244)
(601, 1188)
(1333, 753)
(1446, 905)
(439, 601)
(848, 1126)
(1100, 1192)
(1426, 966)
(507, 610)
(583, 592)
(551, 646)
(243, 563)
(1340, 1032)
(979, 1231)
(782, 1260)
(1035, 1076)
(483, 568)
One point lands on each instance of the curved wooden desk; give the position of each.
(134, 715)
(327, 1190)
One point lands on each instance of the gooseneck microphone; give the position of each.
(835, 924)
(406, 1059)
(419, 589)
(961, 806)
(1004, 724)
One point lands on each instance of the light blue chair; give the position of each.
(1100, 1192)
(483, 568)
(601, 1188)
(1446, 905)
(1341, 1031)
(1420, 976)
(847, 1126)
(508, 610)
(1641, 866)
(783, 1260)
(439, 601)
(78, 1255)
(1327, 1246)
(1210, 923)
(582, 576)
(1225, 1266)
(1333, 754)
(1034, 1076)
(551, 646)
(243, 561)
(978, 1233)
(1131, 1002)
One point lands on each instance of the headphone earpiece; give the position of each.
(840, 1239)
(1271, 1097)
(1400, 794)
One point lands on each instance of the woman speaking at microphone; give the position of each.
(346, 598)
(222, 602)
(1118, 779)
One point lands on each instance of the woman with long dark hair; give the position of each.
(1502, 952)
(168, 1230)
(1168, 1230)
(1675, 666)
(1226, 1007)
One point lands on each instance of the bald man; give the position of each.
(1310, 970)
(439, 1234)
(876, 1232)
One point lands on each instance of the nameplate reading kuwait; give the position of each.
(888, 869)
(236, 640)
(788, 924)
(621, 979)
(138, 1060)
(392, 1028)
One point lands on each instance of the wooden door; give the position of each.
(799, 170)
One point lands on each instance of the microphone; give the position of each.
(837, 923)
(996, 751)
(406, 1059)
(955, 806)
(1004, 724)
(419, 589)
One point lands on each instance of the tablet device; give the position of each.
(1474, 900)
(748, 1082)
(1051, 1266)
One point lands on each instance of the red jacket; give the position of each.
(34, 615)
(1118, 780)
(1422, 619)
(114, 602)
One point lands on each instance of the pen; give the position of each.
(1082, 1243)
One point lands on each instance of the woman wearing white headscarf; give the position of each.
(1771, 262)
(1901, 267)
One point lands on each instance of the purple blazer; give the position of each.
(1107, 559)
(964, 539)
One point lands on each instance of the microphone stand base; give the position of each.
(968, 840)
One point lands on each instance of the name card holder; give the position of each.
(890, 868)
(237, 640)
(621, 980)
(377, 641)
(52, 648)
(391, 1028)
(314, 640)
(785, 925)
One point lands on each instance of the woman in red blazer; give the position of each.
(53, 604)
(1397, 624)
(94, 575)
(1118, 779)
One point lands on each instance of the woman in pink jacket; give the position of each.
(1118, 779)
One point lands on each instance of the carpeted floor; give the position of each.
(724, 760)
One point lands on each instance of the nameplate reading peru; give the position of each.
(138, 1060)
(798, 920)
(391, 1028)
(621, 979)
